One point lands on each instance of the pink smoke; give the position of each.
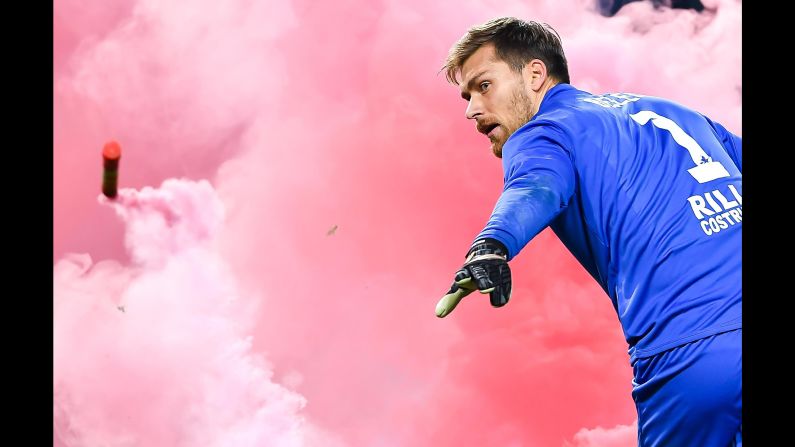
(618, 436)
(158, 352)
(288, 299)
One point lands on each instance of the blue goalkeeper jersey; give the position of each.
(647, 196)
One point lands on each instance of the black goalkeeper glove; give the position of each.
(485, 270)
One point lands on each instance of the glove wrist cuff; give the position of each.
(487, 246)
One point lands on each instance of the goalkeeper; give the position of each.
(645, 193)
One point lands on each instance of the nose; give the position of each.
(474, 107)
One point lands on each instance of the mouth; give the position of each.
(487, 129)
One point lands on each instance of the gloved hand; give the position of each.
(486, 270)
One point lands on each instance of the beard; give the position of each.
(522, 107)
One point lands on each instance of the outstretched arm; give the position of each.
(539, 181)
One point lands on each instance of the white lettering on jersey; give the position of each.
(612, 100)
(712, 222)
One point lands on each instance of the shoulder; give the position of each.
(541, 130)
(540, 138)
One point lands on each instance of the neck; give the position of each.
(542, 92)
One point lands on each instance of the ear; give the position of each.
(535, 74)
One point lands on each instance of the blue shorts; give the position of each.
(691, 395)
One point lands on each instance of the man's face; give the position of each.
(497, 96)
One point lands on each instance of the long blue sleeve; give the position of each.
(539, 180)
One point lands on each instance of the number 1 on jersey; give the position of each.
(705, 169)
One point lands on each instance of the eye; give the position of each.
(484, 85)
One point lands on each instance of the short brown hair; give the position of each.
(516, 42)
